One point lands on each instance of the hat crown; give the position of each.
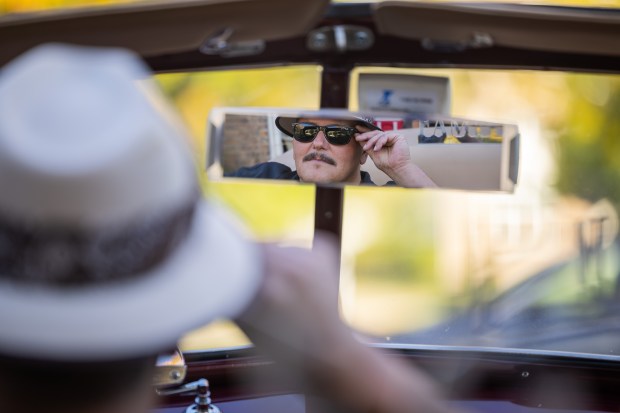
(81, 143)
(85, 153)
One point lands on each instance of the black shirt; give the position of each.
(276, 170)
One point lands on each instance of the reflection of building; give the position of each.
(248, 140)
(244, 141)
(503, 240)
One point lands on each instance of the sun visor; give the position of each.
(157, 28)
(456, 27)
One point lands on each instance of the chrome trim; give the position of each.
(494, 350)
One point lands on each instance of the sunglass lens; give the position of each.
(338, 135)
(304, 132)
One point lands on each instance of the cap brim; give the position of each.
(214, 273)
(285, 124)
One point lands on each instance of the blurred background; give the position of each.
(414, 258)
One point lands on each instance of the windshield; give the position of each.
(536, 269)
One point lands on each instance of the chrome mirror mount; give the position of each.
(202, 402)
(170, 369)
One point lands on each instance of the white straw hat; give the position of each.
(91, 161)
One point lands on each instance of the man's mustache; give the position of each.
(318, 156)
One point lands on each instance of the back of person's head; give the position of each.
(33, 385)
(108, 254)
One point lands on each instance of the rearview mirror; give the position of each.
(455, 153)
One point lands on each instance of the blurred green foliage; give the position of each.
(588, 149)
(402, 248)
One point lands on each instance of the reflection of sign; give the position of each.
(453, 131)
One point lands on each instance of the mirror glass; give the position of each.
(326, 146)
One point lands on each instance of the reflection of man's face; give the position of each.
(319, 161)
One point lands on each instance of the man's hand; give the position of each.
(294, 320)
(388, 150)
(295, 315)
(390, 153)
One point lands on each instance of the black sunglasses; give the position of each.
(335, 134)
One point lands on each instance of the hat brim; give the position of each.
(214, 273)
(285, 123)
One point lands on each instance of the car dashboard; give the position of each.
(478, 380)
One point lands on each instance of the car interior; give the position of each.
(539, 337)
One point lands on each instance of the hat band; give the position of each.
(61, 257)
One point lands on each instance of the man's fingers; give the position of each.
(377, 140)
(363, 138)
(381, 141)
(371, 142)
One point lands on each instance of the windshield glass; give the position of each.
(274, 212)
(537, 269)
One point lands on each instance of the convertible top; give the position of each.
(171, 35)
(555, 29)
(160, 27)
